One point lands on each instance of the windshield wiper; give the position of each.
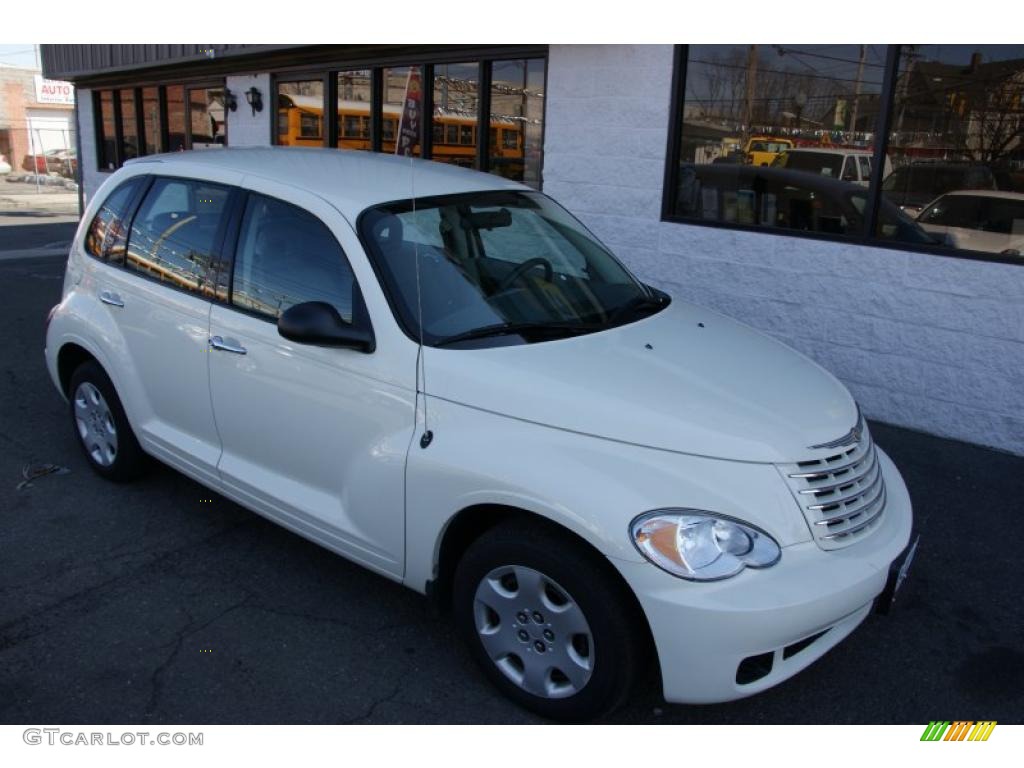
(637, 303)
(556, 328)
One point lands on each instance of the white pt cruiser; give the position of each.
(444, 377)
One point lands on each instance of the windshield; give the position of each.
(509, 267)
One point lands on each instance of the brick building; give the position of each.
(36, 115)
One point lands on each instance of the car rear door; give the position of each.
(313, 436)
(160, 300)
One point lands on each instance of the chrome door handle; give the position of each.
(111, 298)
(217, 342)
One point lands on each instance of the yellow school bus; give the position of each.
(300, 124)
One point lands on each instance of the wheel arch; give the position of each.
(470, 523)
(69, 358)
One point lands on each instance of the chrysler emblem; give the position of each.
(850, 438)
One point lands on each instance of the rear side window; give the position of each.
(176, 233)
(288, 256)
(109, 228)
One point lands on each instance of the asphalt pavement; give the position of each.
(161, 602)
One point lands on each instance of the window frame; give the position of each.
(233, 241)
(163, 128)
(869, 238)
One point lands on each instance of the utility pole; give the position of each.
(748, 112)
(856, 94)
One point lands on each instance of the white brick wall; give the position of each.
(244, 128)
(927, 342)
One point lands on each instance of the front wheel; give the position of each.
(548, 622)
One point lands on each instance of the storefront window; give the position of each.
(787, 138)
(207, 118)
(456, 106)
(517, 119)
(151, 121)
(779, 137)
(402, 111)
(300, 113)
(354, 97)
(129, 125)
(956, 146)
(108, 138)
(175, 95)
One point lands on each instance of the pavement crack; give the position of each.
(157, 679)
(373, 707)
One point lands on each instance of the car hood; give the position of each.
(685, 379)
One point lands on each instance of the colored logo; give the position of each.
(959, 730)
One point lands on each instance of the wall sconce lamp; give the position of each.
(255, 99)
(230, 100)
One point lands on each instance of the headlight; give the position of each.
(701, 546)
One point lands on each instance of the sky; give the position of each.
(18, 54)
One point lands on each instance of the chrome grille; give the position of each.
(842, 495)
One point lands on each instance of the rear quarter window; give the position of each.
(108, 230)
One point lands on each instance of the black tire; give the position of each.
(610, 611)
(129, 461)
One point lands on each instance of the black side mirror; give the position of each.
(317, 322)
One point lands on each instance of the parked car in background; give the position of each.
(464, 391)
(853, 165)
(63, 162)
(762, 150)
(913, 186)
(5, 167)
(788, 200)
(989, 221)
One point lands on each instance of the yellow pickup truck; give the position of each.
(762, 150)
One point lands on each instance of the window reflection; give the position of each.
(153, 141)
(804, 115)
(517, 119)
(176, 118)
(207, 117)
(456, 106)
(288, 256)
(108, 146)
(300, 113)
(354, 97)
(956, 145)
(129, 125)
(174, 232)
(402, 107)
(107, 231)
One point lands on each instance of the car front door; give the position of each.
(313, 436)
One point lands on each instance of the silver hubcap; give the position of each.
(95, 424)
(534, 632)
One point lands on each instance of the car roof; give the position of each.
(1001, 194)
(787, 176)
(350, 180)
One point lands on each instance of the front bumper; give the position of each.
(704, 632)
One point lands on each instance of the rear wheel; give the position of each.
(547, 621)
(102, 428)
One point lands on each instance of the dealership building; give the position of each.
(862, 203)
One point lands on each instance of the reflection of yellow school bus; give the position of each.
(300, 124)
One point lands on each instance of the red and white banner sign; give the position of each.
(412, 113)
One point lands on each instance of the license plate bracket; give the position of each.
(898, 570)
